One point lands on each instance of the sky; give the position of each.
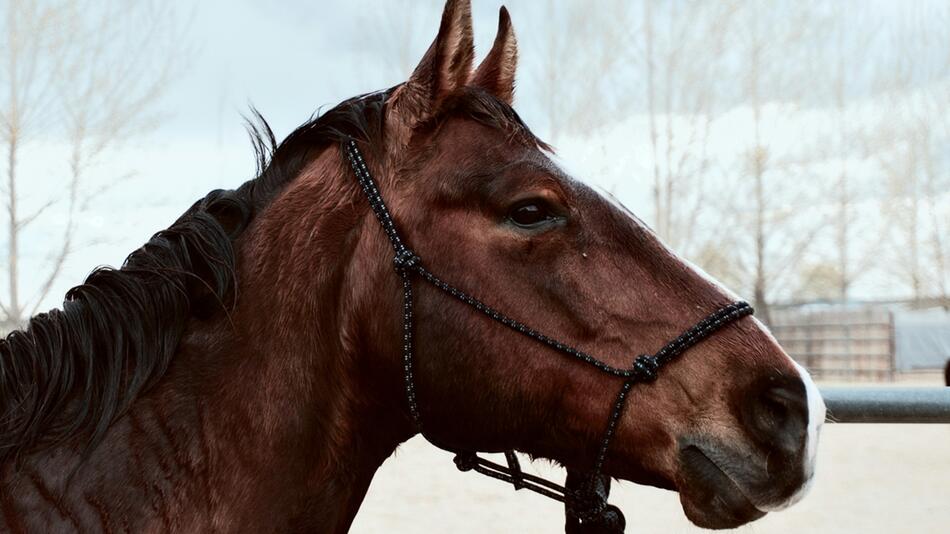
(290, 59)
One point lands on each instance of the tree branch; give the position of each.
(24, 222)
(51, 279)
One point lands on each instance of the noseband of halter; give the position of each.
(585, 493)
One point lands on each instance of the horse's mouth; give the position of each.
(710, 497)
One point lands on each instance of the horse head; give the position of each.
(732, 425)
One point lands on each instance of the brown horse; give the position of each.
(242, 371)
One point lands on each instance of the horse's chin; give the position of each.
(710, 498)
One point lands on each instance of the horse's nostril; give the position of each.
(778, 415)
(783, 402)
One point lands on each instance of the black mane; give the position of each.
(72, 371)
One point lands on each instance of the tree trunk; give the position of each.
(760, 291)
(915, 281)
(937, 240)
(13, 308)
(651, 112)
(844, 268)
(845, 274)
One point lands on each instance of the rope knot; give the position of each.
(609, 520)
(465, 461)
(405, 261)
(586, 507)
(645, 368)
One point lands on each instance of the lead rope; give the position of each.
(585, 494)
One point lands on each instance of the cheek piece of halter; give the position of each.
(585, 493)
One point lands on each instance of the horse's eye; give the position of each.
(529, 214)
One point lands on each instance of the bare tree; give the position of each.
(582, 41)
(31, 59)
(402, 29)
(87, 72)
(682, 54)
(853, 35)
(917, 186)
(771, 46)
(911, 150)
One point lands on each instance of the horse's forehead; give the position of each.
(463, 147)
(463, 134)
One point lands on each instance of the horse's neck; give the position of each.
(314, 396)
(194, 459)
(267, 420)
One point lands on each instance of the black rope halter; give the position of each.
(585, 493)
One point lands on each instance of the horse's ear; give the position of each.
(496, 74)
(445, 67)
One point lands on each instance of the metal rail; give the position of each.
(887, 405)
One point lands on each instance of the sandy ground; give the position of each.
(871, 479)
